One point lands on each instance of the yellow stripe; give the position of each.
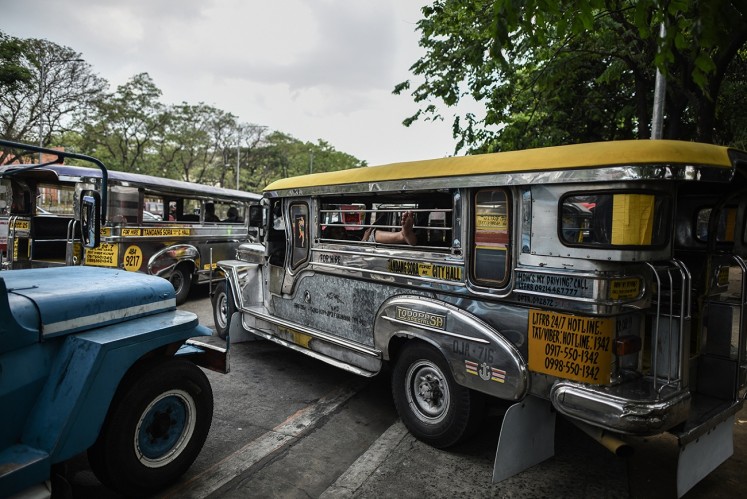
(598, 154)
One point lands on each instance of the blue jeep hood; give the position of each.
(65, 300)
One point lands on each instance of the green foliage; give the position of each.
(53, 95)
(126, 126)
(731, 118)
(560, 71)
(282, 155)
(12, 70)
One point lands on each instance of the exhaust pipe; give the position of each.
(610, 442)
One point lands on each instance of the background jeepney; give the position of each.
(158, 226)
(587, 280)
(98, 360)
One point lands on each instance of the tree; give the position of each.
(194, 137)
(52, 94)
(731, 118)
(251, 141)
(12, 70)
(550, 71)
(128, 127)
(278, 155)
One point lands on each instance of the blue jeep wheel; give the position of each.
(155, 428)
(165, 428)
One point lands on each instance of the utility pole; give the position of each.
(238, 157)
(660, 90)
(42, 78)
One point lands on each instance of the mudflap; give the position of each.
(703, 455)
(236, 331)
(527, 437)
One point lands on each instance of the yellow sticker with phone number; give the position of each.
(570, 346)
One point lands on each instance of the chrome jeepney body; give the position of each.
(592, 280)
(155, 225)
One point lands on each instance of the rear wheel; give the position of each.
(155, 428)
(433, 407)
(223, 308)
(181, 279)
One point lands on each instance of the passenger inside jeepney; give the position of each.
(406, 235)
(335, 231)
(210, 215)
(233, 215)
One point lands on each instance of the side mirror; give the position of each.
(257, 218)
(90, 221)
(255, 215)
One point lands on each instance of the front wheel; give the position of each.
(433, 407)
(155, 428)
(181, 279)
(223, 308)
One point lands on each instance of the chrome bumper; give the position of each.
(638, 412)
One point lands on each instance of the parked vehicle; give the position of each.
(589, 281)
(98, 360)
(3, 235)
(176, 242)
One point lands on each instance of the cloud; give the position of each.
(321, 69)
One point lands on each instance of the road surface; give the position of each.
(288, 426)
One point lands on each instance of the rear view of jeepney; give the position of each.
(99, 361)
(635, 277)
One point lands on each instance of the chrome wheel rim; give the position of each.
(427, 392)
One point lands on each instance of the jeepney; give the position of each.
(173, 229)
(101, 361)
(591, 281)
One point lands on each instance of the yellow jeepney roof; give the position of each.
(598, 154)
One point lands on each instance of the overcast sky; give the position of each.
(315, 69)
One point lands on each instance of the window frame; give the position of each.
(666, 216)
(508, 235)
(295, 220)
(374, 206)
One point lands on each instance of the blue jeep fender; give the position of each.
(84, 377)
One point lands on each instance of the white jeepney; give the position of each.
(603, 282)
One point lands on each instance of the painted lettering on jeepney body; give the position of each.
(572, 347)
(425, 269)
(420, 318)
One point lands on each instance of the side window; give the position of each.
(609, 219)
(229, 213)
(491, 240)
(419, 219)
(6, 197)
(726, 229)
(190, 210)
(299, 219)
(153, 209)
(55, 199)
(183, 209)
(123, 204)
(341, 221)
